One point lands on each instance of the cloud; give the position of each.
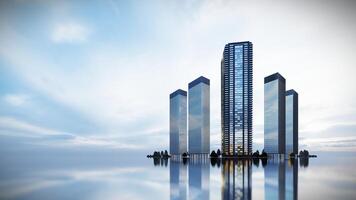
(124, 85)
(16, 99)
(70, 33)
(37, 135)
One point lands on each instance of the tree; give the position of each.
(218, 152)
(264, 154)
(213, 154)
(256, 154)
(166, 153)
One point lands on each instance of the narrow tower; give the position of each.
(291, 122)
(236, 99)
(199, 116)
(178, 122)
(274, 114)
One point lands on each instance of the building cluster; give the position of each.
(280, 110)
(281, 117)
(198, 122)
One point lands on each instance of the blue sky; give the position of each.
(98, 74)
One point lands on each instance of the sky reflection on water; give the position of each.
(326, 177)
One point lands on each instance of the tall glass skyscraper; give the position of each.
(236, 98)
(291, 122)
(275, 111)
(199, 116)
(178, 122)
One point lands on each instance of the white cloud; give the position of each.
(50, 137)
(70, 33)
(16, 99)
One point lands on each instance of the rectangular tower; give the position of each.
(199, 116)
(274, 114)
(291, 122)
(236, 99)
(178, 122)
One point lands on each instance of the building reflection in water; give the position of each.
(196, 184)
(199, 178)
(292, 179)
(190, 178)
(236, 179)
(178, 180)
(281, 179)
(275, 179)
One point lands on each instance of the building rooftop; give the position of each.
(178, 92)
(274, 77)
(291, 92)
(243, 42)
(201, 79)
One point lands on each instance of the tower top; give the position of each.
(273, 77)
(178, 92)
(201, 79)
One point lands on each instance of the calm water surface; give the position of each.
(330, 176)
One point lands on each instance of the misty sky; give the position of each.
(98, 74)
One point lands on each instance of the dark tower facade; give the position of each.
(236, 98)
(275, 114)
(291, 122)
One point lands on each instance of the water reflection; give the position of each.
(236, 176)
(275, 179)
(199, 178)
(178, 180)
(190, 179)
(292, 179)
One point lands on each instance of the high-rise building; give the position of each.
(236, 98)
(274, 114)
(199, 116)
(178, 122)
(291, 122)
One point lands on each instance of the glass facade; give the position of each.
(274, 114)
(291, 122)
(199, 116)
(178, 122)
(236, 98)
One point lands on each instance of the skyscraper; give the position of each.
(274, 116)
(178, 122)
(199, 116)
(236, 98)
(291, 122)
